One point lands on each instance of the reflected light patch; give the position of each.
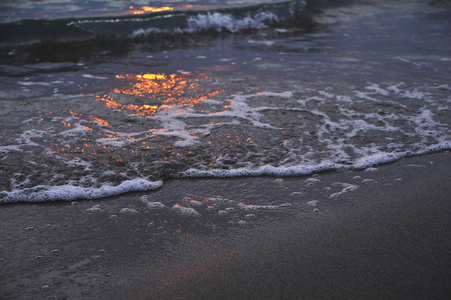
(99, 121)
(157, 90)
(145, 9)
(139, 110)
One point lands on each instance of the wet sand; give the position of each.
(389, 238)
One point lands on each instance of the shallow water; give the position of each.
(359, 86)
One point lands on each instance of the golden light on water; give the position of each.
(138, 110)
(140, 95)
(157, 90)
(99, 121)
(152, 9)
(144, 9)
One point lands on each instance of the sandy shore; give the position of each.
(377, 234)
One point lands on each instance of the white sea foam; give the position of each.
(213, 21)
(10, 148)
(26, 136)
(70, 192)
(27, 83)
(80, 162)
(78, 129)
(332, 133)
(251, 207)
(94, 76)
(361, 163)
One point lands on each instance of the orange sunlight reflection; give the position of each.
(145, 9)
(160, 89)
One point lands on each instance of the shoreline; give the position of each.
(389, 238)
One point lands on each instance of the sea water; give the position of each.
(99, 98)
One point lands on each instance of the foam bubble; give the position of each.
(368, 180)
(153, 205)
(94, 76)
(185, 211)
(312, 203)
(127, 210)
(251, 207)
(94, 209)
(347, 187)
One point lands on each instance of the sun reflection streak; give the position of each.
(144, 9)
(99, 121)
(158, 89)
(151, 9)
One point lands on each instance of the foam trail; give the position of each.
(70, 192)
(362, 163)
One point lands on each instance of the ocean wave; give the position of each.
(45, 193)
(173, 22)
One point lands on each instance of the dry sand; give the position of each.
(387, 238)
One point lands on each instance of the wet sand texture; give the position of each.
(387, 239)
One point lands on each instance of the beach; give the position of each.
(389, 238)
(247, 149)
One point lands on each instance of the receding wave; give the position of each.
(173, 22)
